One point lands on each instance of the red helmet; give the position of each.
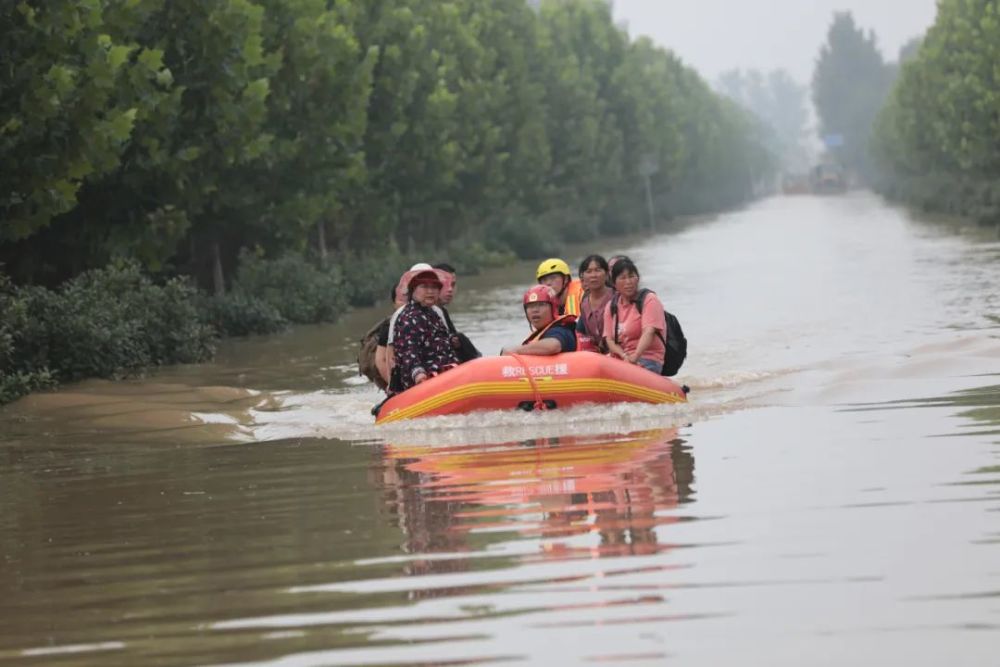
(542, 294)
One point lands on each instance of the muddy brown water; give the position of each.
(830, 496)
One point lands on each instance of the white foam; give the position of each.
(73, 648)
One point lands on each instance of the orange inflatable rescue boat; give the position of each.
(531, 382)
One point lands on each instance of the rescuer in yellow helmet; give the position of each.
(555, 273)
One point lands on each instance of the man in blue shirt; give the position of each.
(551, 334)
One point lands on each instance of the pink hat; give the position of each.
(403, 285)
(424, 277)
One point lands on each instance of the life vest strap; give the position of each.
(564, 320)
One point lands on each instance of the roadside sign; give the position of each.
(833, 140)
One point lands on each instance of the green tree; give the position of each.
(520, 105)
(582, 50)
(725, 153)
(410, 148)
(75, 85)
(781, 105)
(191, 173)
(221, 138)
(182, 191)
(850, 84)
(938, 135)
(651, 117)
(317, 114)
(216, 51)
(911, 49)
(501, 131)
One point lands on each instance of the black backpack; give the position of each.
(465, 349)
(366, 354)
(676, 344)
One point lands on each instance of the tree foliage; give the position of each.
(263, 147)
(781, 104)
(850, 84)
(76, 80)
(938, 137)
(180, 133)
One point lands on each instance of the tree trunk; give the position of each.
(649, 205)
(321, 241)
(218, 279)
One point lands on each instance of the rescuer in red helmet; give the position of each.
(551, 333)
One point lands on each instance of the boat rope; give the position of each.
(539, 403)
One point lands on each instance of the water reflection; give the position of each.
(979, 407)
(579, 497)
(557, 533)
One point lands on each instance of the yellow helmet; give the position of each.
(550, 266)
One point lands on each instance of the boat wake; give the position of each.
(346, 416)
(176, 413)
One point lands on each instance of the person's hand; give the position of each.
(421, 377)
(631, 358)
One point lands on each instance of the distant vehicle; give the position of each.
(795, 184)
(828, 178)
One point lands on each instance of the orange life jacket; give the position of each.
(574, 293)
(564, 320)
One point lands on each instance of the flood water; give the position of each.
(830, 495)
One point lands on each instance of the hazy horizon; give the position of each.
(767, 35)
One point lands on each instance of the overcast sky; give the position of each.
(716, 35)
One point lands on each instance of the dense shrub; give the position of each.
(977, 199)
(239, 314)
(80, 332)
(15, 384)
(294, 287)
(473, 257)
(526, 237)
(170, 325)
(16, 379)
(368, 278)
(109, 323)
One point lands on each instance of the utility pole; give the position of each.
(649, 205)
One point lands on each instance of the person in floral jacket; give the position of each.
(422, 342)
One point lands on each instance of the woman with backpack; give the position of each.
(634, 332)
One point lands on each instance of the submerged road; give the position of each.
(829, 496)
